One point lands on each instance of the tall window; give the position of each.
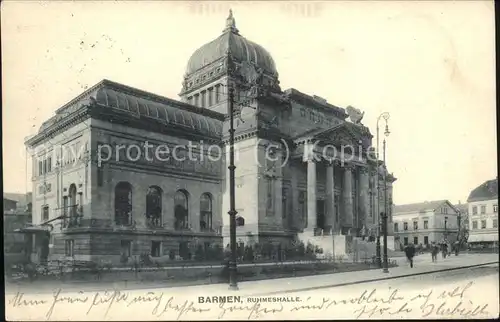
(126, 248)
(49, 164)
(123, 203)
(396, 228)
(100, 176)
(415, 225)
(415, 240)
(217, 94)
(495, 208)
(210, 94)
(284, 205)
(181, 210)
(483, 224)
(426, 224)
(445, 222)
(153, 206)
(69, 247)
(203, 99)
(302, 208)
(495, 223)
(483, 209)
(370, 213)
(405, 226)
(45, 213)
(40, 167)
(474, 224)
(155, 248)
(270, 197)
(474, 210)
(205, 212)
(426, 240)
(72, 200)
(65, 205)
(337, 207)
(405, 241)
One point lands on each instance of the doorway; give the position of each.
(184, 250)
(44, 246)
(320, 217)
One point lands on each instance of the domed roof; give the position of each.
(240, 48)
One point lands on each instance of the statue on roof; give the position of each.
(355, 114)
(231, 23)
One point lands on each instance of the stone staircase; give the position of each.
(323, 241)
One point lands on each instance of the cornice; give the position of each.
(309, 101)
(66, 122)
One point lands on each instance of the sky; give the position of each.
(430, 64)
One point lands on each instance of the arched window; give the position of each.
(240, 221)
(123, 203)
(181, 210)
(205, 212)
(153, 206)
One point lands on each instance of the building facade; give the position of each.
(303, 169)
(425, 223)
(483, 215)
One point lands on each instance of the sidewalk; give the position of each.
(422, 265)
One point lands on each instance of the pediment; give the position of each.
(339, 135)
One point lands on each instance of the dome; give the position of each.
(240, 48)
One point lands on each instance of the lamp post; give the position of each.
(386, 269)
(233, 284)
(385, 116)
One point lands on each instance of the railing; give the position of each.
(153, 222)
(71, 216)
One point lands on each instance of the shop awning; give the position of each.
(478, 238)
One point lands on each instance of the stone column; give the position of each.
(330, 198)
(364, 201)
(311, 194)
(293, 193)
(347, 194)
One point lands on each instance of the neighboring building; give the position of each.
(128, 205)
(16, 245)
(23, 199)
(9, 205)
(426, 222)
(483, 215)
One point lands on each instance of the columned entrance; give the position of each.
(320, 217)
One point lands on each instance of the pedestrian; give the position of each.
(445, 249)
(457, 248)
(410, 253)
(434, 252)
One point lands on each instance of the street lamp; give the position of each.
(233, 284)
(385, 116)
(386, 208)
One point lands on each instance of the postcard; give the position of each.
(250, 160)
